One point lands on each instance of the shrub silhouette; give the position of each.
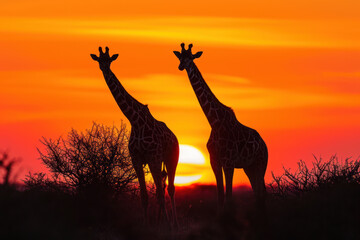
(93, 160)
(7, 174)
(322, 175)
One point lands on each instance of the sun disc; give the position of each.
(189, 160)
(190, 155)
(186, 180)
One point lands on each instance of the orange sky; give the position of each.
(289, 69)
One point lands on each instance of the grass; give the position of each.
(331, 214)
(329, 210)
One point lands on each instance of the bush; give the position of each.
(322, 175)
(97, 159)
(7, 175)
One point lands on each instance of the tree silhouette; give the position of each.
(93, 160)
(7, 175)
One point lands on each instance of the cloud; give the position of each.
(168, 96)
(172, 91)
(205, 30)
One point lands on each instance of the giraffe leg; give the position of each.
(229, 173)
(217, 169)
(257, 183)
(256, 177)
(143, 192)
(171, 190)
(160, 196)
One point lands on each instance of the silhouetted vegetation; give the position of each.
(94, 160)
(7, 172)
(321, 175)
(317, 202)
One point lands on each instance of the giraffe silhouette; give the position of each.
(231, 144)
(151, 141)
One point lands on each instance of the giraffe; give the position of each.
(151, 141)
(231, 144)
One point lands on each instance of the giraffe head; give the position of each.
(186, 57)
(104, 59)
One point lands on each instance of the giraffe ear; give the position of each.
(114, 57)
(197, 55)
(94, 57)
(177, 54)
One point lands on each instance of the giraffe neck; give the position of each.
(133, 110)
(213, 109)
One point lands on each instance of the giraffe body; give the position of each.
(151, 141)
(236, 145)
(231, 144)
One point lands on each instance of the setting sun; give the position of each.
(188, 157)
(191, 155)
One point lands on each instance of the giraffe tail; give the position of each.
(163, 176)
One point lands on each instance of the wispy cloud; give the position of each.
(204, 30)
(167, 90)
(170, 97)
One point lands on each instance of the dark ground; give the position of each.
(328, 214)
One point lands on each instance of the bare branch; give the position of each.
(97, 157)
(323, 174)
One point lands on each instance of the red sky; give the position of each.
(289, 69)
